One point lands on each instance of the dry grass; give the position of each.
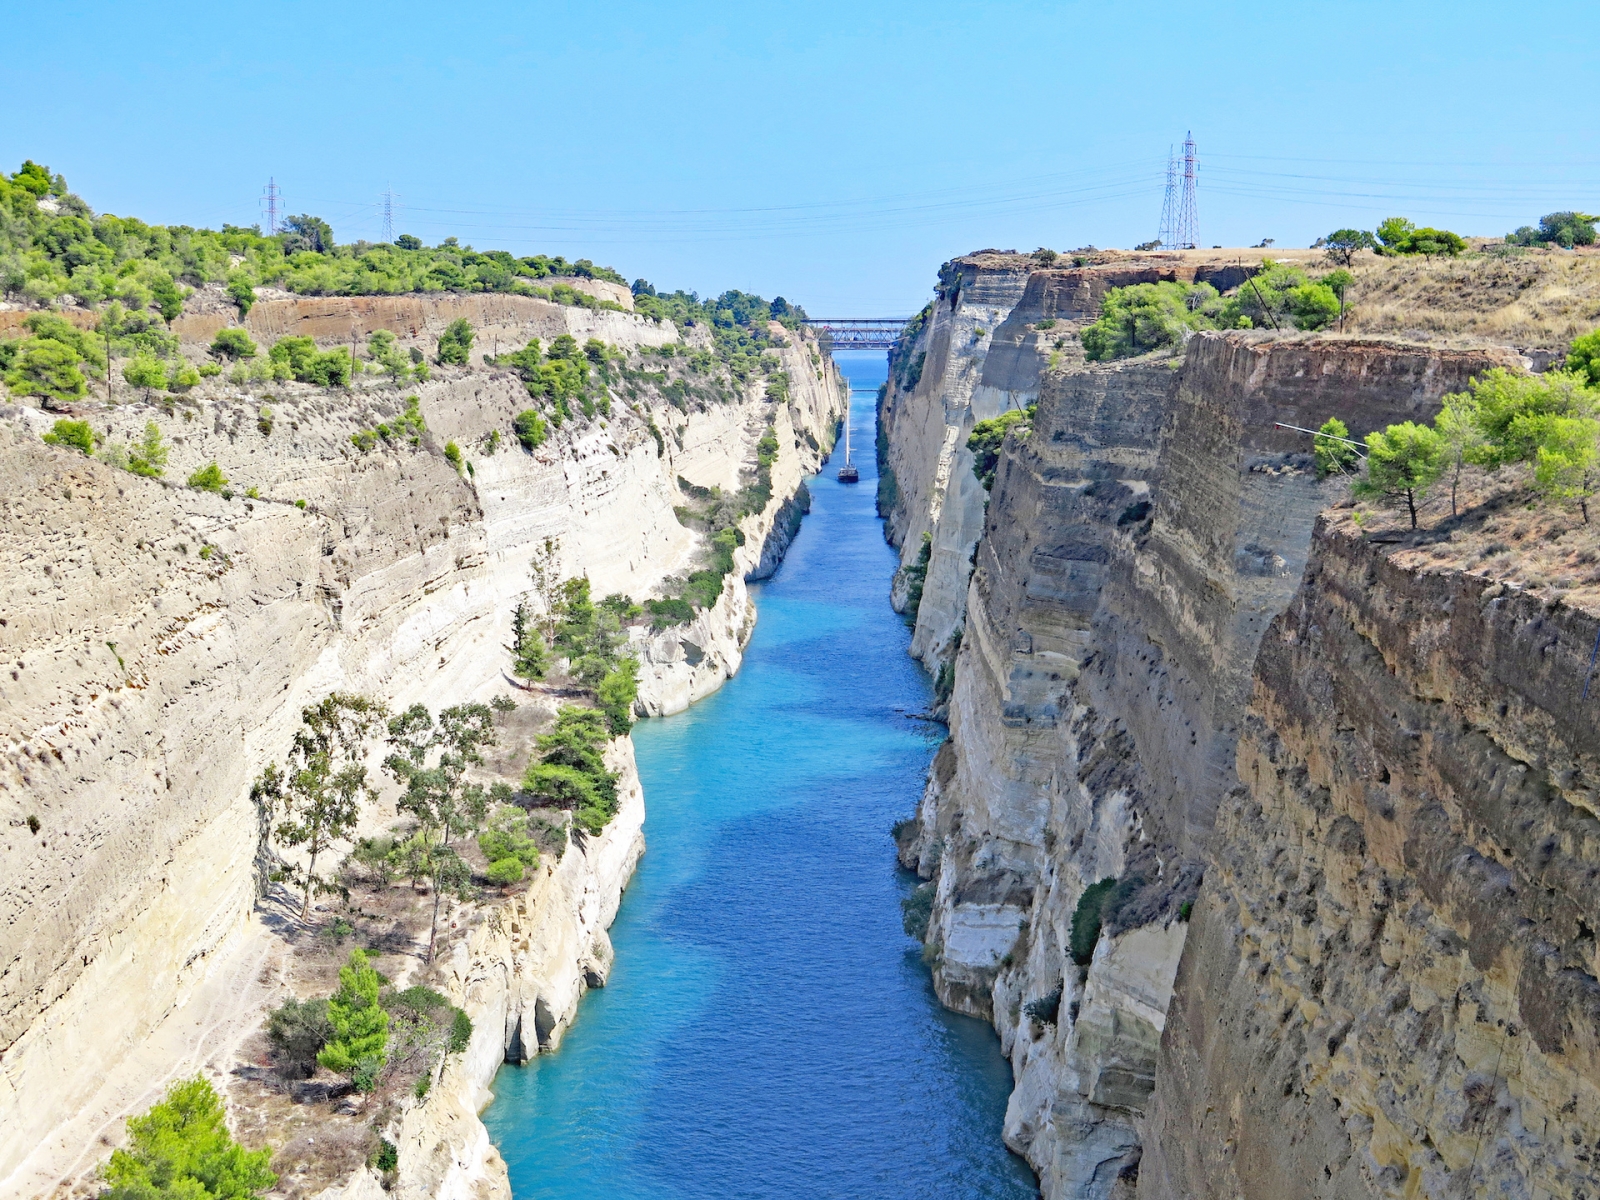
(1503, 532)
(1533, 298)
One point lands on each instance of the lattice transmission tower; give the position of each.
(1186, 229)
(388, 214)
(1167, 234)
(271, 201)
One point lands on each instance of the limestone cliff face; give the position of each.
(1136, 547)
(1030, 317)
(1391, 985)
(161, 642)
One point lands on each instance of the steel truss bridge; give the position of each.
(859, 333)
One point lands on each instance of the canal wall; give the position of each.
(1286, 737)
(150, 624)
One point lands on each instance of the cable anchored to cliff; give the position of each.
(1360, 446)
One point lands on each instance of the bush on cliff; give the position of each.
(75, 434)
(1149, 316)
(455, 343)
(1333, 449)
(988, 436)
(916, 910)
(360, 1026)
(571, 773)
(507, 846)
(298, 1030)
(1087, 919)
(181, 1150)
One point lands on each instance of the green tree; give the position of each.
(1342, 245)
(48, 369)
(360, 1026)
(234, 343)
(320, 791)
(529, 656)
(1400, 236)
(1457, 426)
(530, 429)
(571, 773)
(1564, 466)
(507, 846)
(209, 478)
(145, 371)
(988, 436)
(1148, 316)
(455, 343)
(1403, 462)
(242, 291)
(430, 761)
(1583, 356)
(181, 1150)
(616, 694)
(306, 232)
(168, 297)
(1333, 449)
(182, 376)
(148, 456)
(1510, 409)
(76, 434)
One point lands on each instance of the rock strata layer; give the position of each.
(161, 641)
(1346, 825)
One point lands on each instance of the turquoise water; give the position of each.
(769, 1031)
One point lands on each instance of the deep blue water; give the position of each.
(769, 1030)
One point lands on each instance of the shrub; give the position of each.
(460, 1032)
(1400, 236)
(242, 291)
(148, 456)
(181, 1149)
(1332, 450)
(1583, 357)
(387, 1157)
(1148, 316)
(916, 910)
(506, 844)
(452, 455)
(1046, 1008)
(145, 371)
(360, 1027)
(182, 377)
(298, 1030)
(209, 478)
(616, 695)
(364, 440)
(571, 772)
(455, 343)
(987, 437)
(1086, 921)
(1511, 411)
(233, 343)
(298, 358)
(76, 434)
(48, 369)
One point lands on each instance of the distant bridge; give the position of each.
(860, 333)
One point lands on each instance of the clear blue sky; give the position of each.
(834, 153)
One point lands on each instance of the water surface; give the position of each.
(769, 1030)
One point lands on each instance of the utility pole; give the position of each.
(1167, 234)
(1187, 229)
(271, 201)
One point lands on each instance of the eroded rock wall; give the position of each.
(161, 642)
(1390, 988)
(1137, 545)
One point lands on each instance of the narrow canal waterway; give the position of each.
(769, 1031)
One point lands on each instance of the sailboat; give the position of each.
(848, 472)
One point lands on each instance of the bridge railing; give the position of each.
(860, 333)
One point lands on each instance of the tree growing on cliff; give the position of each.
(1403, 462)
(1457, 426)
(359, 1026)
(1333, 449)
(181, 1150)
(1149, 316)
(316, 797)
(988, 436)
(529, 656)
(430, 762)
(1564, 468)
(455, 343)
(571, 773)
